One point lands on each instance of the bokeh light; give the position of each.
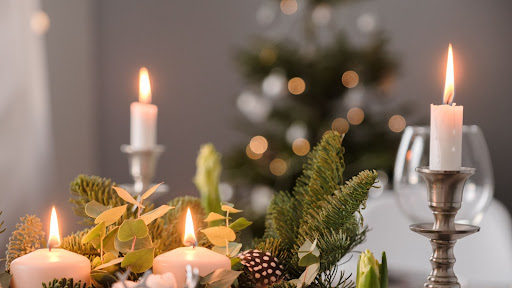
(340, 125)
(301, 146)
(289, 7)
(296, 85)
(40, 22)
(268, 56)
(274, 85)
(321, 14)
(397, 123)
(278, 167)
(258, 144)
(261, 196)
(251, 154)
(355, 116)
(350, 79)
(226, 191)
(296, 130)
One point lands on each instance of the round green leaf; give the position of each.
(139, 261)
(132, 228)
(111, 215)
(240, 224)
(94, 209)
(140, 243)
(97, 232)
(219, 235)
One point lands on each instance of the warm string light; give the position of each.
(289, 7)
(278, 167)
(397, 123)
(340, 125)
(251, 154)
(296, 85)
(144, 86)
(301, 146)
(350, 79)
(355, 116)
(258, 144)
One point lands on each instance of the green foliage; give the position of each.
(321, 207)
(207, 177)
(1, 224)
(27, 237)
(65, 283)
(74, 244)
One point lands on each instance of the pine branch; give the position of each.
(27, 237)
(1, 224)
(87, 188)
(65, 283)
(74, 244)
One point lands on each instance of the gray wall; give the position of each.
(188, 48)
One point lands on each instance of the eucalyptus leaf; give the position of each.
(96, 262)
(219, 235)
(94, 209)
(139, 261)
(132, 228)
(127, 196)
(109, 241)
(240, 224)
(110, 263)
(308, 259)
(233, 249)
(214, 217)
(140, 243)
(228, 207)
(5, 279)
(97, 232)
(111, 215)
(155, 213)
(220, 278)
(101, 278)
(151, 191)
(308, 247)
(310, 274)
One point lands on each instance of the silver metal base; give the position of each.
(142, 163)
(445, 190)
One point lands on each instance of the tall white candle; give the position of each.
(143, 115)
(44, 265)
(446, 127)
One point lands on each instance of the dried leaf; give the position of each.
(139, 261)
(214, 217)
(219, 235)
(155, 213)
(240, 224)
(111, 215)
(220, 278)
(132, 228)
(151, 191)
(94, 209)
(127, 196)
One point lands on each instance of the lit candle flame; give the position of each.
(144, 86)
(189, 239)
(449, 86)
(54, 238)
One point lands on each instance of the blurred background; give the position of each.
(226, 71)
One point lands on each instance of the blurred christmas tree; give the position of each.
(299, 89)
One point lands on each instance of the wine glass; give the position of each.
(412, 190)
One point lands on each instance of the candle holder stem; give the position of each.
(142, 163)
(445, 191)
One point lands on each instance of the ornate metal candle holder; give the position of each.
(445, 190)
(142, 163)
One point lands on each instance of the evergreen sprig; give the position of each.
(65, 283)
(27, 237)
(74, 244)
(1, 224)
(321, 207)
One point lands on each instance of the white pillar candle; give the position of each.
(143, 115)
(44, 265)
(446, 127)
(176, 261)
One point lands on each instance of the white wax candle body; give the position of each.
(31, 270)
(143, 125)
(446, 137)
(175, 261)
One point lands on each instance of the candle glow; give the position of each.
(144, 86)
(449, 86)
(54, 237)
(189, 238)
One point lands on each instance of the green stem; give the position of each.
(101, 249)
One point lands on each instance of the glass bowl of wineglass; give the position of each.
(412, 190)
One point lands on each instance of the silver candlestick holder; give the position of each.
(445, 190)
(142, 165)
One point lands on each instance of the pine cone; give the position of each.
(264, 268)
